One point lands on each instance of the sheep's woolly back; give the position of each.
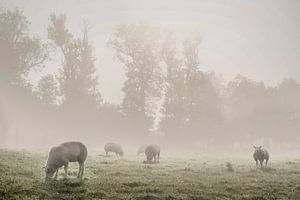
(113, 147)
(260, 154)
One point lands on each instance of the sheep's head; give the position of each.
(149, 157)
(257, 148)
(49, 172)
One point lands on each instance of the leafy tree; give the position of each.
(78, 82)
(174, 101)
(77, 77)
(192, 104)
(287, 95)
(251, 111)
(47, 90)
(138, 47)
(19, 54)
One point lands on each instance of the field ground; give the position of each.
(192, 177)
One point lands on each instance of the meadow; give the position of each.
(175, 177)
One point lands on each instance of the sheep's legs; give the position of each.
(66, 171)
(266, 162)
(56, 174)
(81, 170)
(261, 163)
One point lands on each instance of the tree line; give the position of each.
(167, 95)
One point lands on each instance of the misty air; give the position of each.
(137, 99)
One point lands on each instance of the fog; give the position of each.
(191, 76)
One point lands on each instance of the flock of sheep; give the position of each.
(60, 156)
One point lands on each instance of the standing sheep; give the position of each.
(260, 155)
(113, 147)
(152, 151)
(63, 154)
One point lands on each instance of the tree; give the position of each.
(138, 48)
(19, 54)
(47, 90)
(174, 97)
(192, 105)
(250, 111)
(78, 82)
(287, 95)
(77, 77)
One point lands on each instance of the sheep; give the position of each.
(141, 149)
(260, 155)
(61, 156)
(113, 147)
(152, 151)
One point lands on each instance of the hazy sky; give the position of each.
(256, 38)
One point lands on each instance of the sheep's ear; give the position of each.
(259, 147)
(254, 147)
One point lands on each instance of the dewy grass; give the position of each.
(193, 177)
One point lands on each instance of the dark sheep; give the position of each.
(260, 155)
(152, 152)
(63, 154)
(113, 147)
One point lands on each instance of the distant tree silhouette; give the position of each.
(138, 47)
(77, 76)
(203, 102)
(174, 101)
(18, 50)
(19, 54)
(78, 81)
(47, 90)
(192, 105)
(251, 111)
(162, 72)
(288, 107)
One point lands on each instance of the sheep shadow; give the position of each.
(150, 162)
(267, 169)
(106, 156)
(64, 189)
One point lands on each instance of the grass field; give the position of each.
(175, 177)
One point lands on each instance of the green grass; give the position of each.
(175, 177)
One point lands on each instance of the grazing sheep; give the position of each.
(260, 155)
(63, 154)
(152, 151)
(141, 150)
(113, 147)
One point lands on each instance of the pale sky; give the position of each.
(256, 38)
